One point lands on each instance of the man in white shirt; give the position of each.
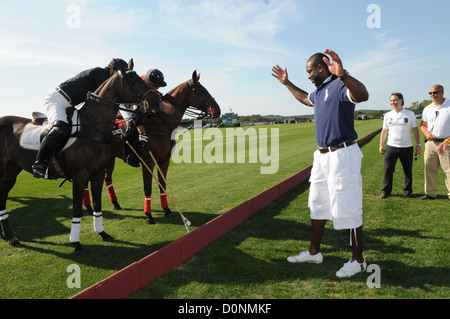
(398, 123)
(436, 128)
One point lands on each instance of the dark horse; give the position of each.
(85, 160)
(160, 127)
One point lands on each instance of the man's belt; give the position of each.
(439, 140)
(336, 147)
(64, 95)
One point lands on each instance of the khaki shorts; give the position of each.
(336, 187)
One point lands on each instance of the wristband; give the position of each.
(346, 73)
(447, 140)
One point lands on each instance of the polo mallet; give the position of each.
(186, 222)
(167, 187)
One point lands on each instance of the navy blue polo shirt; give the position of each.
(333, 113)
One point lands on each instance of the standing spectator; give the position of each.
(336, 182)
(398, 124)
(436, 128)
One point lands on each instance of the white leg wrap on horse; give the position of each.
(75, 230)
(98, 222)
(3, 214)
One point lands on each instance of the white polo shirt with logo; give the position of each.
(399, 126)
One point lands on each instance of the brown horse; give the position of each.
(84, 160)
(160, 127)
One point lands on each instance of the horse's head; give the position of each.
(129, 87)
(200, 98)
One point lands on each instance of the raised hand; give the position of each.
(335, 66)
(280, 74)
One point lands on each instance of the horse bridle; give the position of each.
(195, 112)
(135, 92)
(94, 97)
(142, 105)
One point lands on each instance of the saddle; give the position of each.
(35, 131)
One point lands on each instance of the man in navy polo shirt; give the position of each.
(336, 183)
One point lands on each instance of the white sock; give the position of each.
(98, 222)
(75, 230)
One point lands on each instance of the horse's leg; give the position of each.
(87, 201)
(109, 186)
(96, 186)
(163, 194)
(10, 172)
(147, 179)
(77, 194)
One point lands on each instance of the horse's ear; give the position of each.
(131, 65)
(194, 76)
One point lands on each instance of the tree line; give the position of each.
(416, 107)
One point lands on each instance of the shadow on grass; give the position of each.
(42, 218)
(254, 253)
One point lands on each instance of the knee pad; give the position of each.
(58, 135)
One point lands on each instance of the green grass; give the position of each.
(406, 238)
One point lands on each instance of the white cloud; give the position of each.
(391, 65)
(246, 24)
(44, 33)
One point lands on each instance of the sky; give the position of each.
(389, 45)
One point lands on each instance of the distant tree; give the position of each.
(417, 107)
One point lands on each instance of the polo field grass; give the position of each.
(406, 237)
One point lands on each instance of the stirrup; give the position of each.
(41, 170)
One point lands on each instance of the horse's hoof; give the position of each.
(89, 211)
(106, 237)
(79, 250)
(14, 242)
(150, 221)
(168, 213)
(116, 206)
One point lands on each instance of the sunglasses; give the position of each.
(434, 92)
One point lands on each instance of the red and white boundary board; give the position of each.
(140, 274)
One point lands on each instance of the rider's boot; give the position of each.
(40, 167)
(129, 157)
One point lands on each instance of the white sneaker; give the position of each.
(351, 268)
(306, 257)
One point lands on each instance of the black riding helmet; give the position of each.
(155, 78)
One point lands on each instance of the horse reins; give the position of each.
(190, 111)
(96, 98)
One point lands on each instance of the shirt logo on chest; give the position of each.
(326, 96)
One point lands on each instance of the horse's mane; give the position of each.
(100, 88)
(177, 88)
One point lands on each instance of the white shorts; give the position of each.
(56, 105)
(336, 187)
